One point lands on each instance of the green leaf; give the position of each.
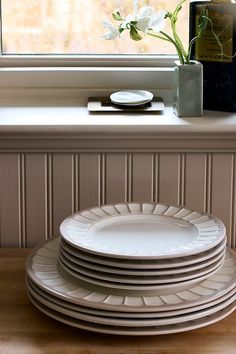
(117, 16)
(134, 34)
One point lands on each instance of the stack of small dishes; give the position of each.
(131, 98)
(135, 269)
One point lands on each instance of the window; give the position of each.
(51, 37)
(75, 27)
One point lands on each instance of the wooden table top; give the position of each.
(25, 330)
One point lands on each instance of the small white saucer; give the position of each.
(131, 97)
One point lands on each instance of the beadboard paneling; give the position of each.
(142, 177)
(10, 201)
(115, 179)
(63, 186)
(233, 207)
(35, 196)
(169, 178)
(222, 189)
(38, 190)
(90, 180)
(195, 191)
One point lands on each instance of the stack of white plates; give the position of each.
(135, 269)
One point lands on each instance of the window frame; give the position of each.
(94, 74)
(90, 72)
(90, 60)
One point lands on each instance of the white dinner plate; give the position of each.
(131, 97)
(146, 264)
(113, 314)
(138, 280)
(47, 277)
(137, 289)
(129, 322)
(138, 272)
(135, 331)
(142, 231)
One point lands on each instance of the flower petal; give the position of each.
(144, 24)
(128, 19)
(145, 11)
(157, 22)
(112, 32)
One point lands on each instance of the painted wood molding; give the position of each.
(48, 170)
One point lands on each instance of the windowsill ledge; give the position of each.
(29, 125)
(74, 117)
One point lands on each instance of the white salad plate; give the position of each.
(125, 264)
(131, 97)
(135, 331)
(52, 299)
(137, 279)
(48, 277)
(127, 322)
(142, 231)
(137, 272)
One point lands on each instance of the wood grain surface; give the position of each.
(25, 330)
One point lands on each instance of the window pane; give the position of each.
(74, 27)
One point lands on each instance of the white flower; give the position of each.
(149, 19)
(158, 21)
(128, 19)
(144, 24)
(112, 32)
(145, 11)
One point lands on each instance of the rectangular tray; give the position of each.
(104, 104)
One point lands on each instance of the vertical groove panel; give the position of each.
(142, 179)
(169, 183)
(76, 182)
(22, 200)
(195, 181)
(221, 196)
(89, 180)
(208, 189)
(115, 178)
(102, 179)
(233, 208)
(128, 183)
(38, 190)
(182, 176)
(153, 178)
(48, 196)
(35, 193)
(155, 197)
(10, 218)
(63, 188)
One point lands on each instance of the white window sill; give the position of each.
(67, 126)
(72, 116)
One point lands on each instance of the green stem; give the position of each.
(157, 36)
(176, 44)
(191, 46)
(173, 21)
(167, 38)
